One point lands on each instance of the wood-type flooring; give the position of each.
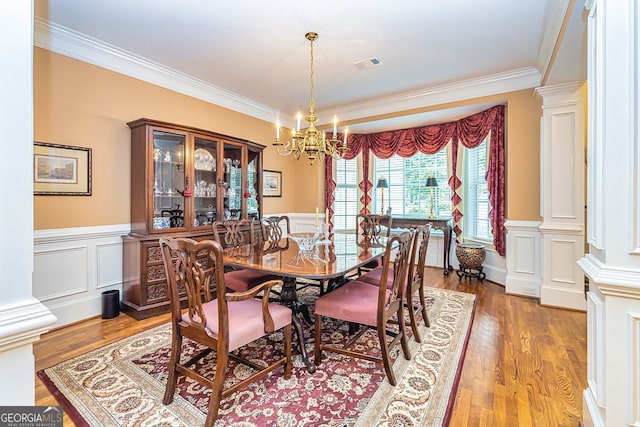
(525, 364)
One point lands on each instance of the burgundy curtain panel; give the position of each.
(469, 131)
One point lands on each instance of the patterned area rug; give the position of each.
(123, 383)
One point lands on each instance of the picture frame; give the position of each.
(61, 170)
(271, 183)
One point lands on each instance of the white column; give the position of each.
(562, 169)
(613, 229)
(22, 317)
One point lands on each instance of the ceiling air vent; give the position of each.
(368, 64)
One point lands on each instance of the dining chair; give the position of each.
(220, 321)
(274, 228)
(414, 281)
(235, 233)
(371, 307)
(372, 228)
(273, 231)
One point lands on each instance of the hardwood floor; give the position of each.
(525, 364)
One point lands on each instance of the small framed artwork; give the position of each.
(61, 170)
(272, 183)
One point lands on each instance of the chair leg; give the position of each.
(403, 333)
(318, 341)
(412, 318)
(382, 336)
(423, 301)
(172, 380)
(287, 351)
(216, 395)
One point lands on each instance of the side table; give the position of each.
(443, 224)
(470, 257)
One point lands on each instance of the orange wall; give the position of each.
(79, 104)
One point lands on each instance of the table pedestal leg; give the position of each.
(289, 298)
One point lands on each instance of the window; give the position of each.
(345, 206)
(407, 194)
(477, 225)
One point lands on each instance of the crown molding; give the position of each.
(59, 39)
(554, 30)
(524, 78)
(65, 41)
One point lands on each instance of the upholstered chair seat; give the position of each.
(355, 302)
(246, 318)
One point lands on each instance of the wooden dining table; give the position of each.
(328, 263)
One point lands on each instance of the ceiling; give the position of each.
(251, 55)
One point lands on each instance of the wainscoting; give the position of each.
(524, 264)
(73, 266)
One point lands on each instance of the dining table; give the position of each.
(325, 260)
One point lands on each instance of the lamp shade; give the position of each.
(431, 182)
(382, 182)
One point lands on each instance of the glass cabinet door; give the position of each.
(253, 185)
(168, 180)
(232, 177)
(205, 188)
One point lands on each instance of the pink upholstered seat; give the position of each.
(243, 280)
(246, 318)
(354, 302)
(371, 306)
(374, 276)
(220, 323)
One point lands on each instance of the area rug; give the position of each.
(122, 384)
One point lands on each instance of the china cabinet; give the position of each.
(182, 180)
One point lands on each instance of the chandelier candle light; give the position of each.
(312, 141)
(431, 184)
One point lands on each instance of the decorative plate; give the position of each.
(203, 160)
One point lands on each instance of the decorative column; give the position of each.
(613, 215)
(22, 317)
(562, 169)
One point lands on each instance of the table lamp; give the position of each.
(431, 184)
(382, 184)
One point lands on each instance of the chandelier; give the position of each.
(314, 143)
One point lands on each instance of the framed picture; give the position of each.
(61, 170)
(271, 184)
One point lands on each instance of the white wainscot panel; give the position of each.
(109, 264)
(60, 272)
(563, 261)
(73, 266)
(595, 348)
(563, 165)
(634, 367)
(524, 255)
(524, 275)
